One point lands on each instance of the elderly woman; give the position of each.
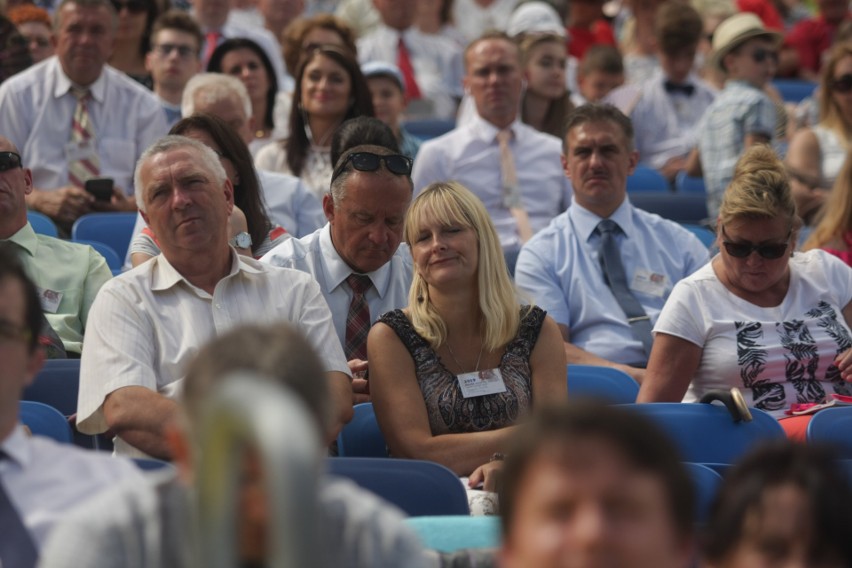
(450, 374)
(758, 317)
(817, 154)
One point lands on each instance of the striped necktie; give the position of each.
(358, 318)
(88, 165)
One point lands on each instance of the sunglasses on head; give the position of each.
(760, 55)
(133, 6)
(768, 251)
(370, 162)
(842, 84)
(9, 161)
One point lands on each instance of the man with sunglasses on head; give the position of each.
(67, 274)
(174, 58)
(76, 118)
(356, 258)
(604, 269)
(148, 323)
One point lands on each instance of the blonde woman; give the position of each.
(833, 233)
(451, 374)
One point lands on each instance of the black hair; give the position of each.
(11, 267)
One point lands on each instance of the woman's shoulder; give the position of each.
(394, 318)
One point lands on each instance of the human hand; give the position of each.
(118, 202)
(64, 205)
(360, 384)
(635, 372)
(671, 168)
(844, 363)
(487, 474)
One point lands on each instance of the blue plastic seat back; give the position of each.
(417, 487)
(44, 420)
(56, 384)
(604, 383)
(151, 464)
(704, 234)
(690, 184)
(647, 179)
(449, 533)
(833, 426)
(42, 224)
(106, 251)
(706, 433)
(678, 207)
(428, 128)
(794, 90)
(113, 229)
(707, 483)
(362, 437)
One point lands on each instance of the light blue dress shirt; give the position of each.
(560, 269)
(470, 154)
(316, 255)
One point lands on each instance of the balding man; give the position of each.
(147, 324)
(76, 118)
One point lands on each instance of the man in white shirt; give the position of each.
(145, 325)
(471, 154)
(431, 65)
(40, 106)
(40, 480)
(174, 58)
(366, 212)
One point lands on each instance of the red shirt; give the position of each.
(581, 39)
(765, 10)
(810, 38)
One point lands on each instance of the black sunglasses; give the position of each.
(133, 6)
(759, 55)
(769, 251)
(9, 161)
(842, 84)
(370, 162)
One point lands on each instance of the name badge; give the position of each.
(480, 383)
(76, 151)
(50, 300)
(649, 283)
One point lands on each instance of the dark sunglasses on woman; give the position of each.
(842, 84)
(768, 251)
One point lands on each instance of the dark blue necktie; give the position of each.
(685, 88)
(17, 549)
(616, 279)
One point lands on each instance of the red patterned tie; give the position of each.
(403, 61)
(82, 134)
(211, 40)
(358, 319)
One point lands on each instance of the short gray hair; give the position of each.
(208, 158)
(57, 15)
(214, 87)
(338, 185)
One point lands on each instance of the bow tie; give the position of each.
(686, 89)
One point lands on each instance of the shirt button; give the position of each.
(218, 306)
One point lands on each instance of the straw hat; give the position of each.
(735, 31)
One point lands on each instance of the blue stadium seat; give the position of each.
(833, 426)
(42, 224)
(707, 483)
(106, 251)
(44, 420)
(362, 437)
(794, 90)
(113, 229)
(689, 184)
(678, 207)
(605, 383)
(647, 179)
(704, 234)
(417, 487)
(428, 129)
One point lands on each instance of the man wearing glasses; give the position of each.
(68, 275)
(174, 58)
(76, 118)
(356, 258)
(148, 323)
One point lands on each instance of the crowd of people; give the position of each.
(291, 224)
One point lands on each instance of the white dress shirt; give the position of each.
(437, 66)
(470, 155)
(316, 255)
(147, 324)
(560, 269)
(472, 19)
(45, 479)
(664, 124)
(37, 107)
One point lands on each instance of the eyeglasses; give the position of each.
(768, 251)
(9, 161)
(760, 55)
(183, 51)
(11, 332)
(370, 162)
(842, 84)
(133, 6)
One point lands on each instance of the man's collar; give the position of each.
(487, 131)
(165, 276)
(337, 271)
(16, 447)
(26, 238)
(64, 83)
(585, 222)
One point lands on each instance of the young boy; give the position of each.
(666, 108)
(388, 91)
(742, 114)
(601, 70)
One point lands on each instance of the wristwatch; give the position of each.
(241, 240)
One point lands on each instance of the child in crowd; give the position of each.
(601, 70)
(388, 91)
(742, 114)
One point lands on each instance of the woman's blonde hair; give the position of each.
(829, 113)
(760, 189)
(451, 203)
(835, 219)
